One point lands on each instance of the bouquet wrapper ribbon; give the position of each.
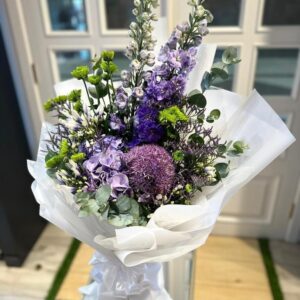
(112, 280)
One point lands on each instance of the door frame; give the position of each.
(22, 65)
(22, 68)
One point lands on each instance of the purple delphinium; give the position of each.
(146, 127)
(151, 171)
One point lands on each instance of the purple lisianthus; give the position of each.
(116, 123)
(121, 99)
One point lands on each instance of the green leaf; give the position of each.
(120, 220)
(124, 204)
(88, 208)
(213, 116)
(102, 197)
(172, 133)
(230, 56)
(197, 98)
(221, 73)
(222, 149)
(172, 115)
(222, 169)
(197, 139)
(206, 81)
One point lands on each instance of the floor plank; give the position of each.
(33, 280)
(230, 268)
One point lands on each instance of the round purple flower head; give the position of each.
(150, 170)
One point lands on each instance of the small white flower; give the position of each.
(151, 62)
(137, 3)
(135, 12)
(133, 26)
(135, 64)
(124, 75)
(200, 11)
(144, 54)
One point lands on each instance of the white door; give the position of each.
(267, 34)
(53, 36)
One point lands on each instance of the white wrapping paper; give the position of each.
(173, 230)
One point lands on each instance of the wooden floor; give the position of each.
(225, 268)
(230, 269)
(33, 280)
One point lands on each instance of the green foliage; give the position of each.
(238, 148)
(206, 81)
(213, 116)
(94, 79)
(197, 139)
(74, 96)
(80, 72)
(127, 212)
(178, 156)
(52, 103)
(102, 197)
(64, 148)
(219, 72)
(109, 67)
(108, 55)
(222, 170)
(54, 161)
(78, 157)
(189, 188)
(197, 98)
(230, 56)
(172, 115)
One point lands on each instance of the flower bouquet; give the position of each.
(140, 167)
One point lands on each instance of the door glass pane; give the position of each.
(275, 71)
(67, 15)
(67, 61)
(119, 13)
(226, 12)
(278, 12)
(121, 61)
(224, 84)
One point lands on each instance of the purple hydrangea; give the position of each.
(151, 171)
(105, 166)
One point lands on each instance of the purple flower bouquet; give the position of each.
(139, 168)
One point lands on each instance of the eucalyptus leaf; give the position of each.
(102, 197)
(221, 73)
(197, 139)
(120, 220)
(206, 81)
(230, 56)
(197, 98)
(213, 116)
(222, 169)
(89, 208)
